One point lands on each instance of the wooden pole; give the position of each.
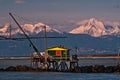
(45, 44)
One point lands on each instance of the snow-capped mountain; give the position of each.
(4, 30)
(96, 28)
(28, 28)
(92, 26)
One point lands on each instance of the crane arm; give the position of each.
(34, 47)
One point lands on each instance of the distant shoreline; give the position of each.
(14, 57)
(80, 57)
(99, 56)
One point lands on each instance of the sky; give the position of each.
(60, 12)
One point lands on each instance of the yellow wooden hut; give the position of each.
(59, 53)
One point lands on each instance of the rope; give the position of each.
(23, 19)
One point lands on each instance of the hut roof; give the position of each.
(57, 48)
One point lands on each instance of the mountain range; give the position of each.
(29, 29)
(96, 28)
(88, 37)
(92, 27)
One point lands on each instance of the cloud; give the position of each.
(19, 1)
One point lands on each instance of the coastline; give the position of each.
(79, 57)
(99, 56)
(80, 69)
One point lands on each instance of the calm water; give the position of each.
(56, 76)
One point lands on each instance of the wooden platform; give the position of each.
(55, 65)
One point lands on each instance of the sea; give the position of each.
(57, 76)
(4, 63)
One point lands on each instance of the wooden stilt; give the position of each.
(53, 65)
(63, 66)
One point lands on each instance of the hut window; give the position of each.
(58, 53)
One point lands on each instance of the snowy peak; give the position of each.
(96, 28)
(37, 28)
(33, 28)
(92, 21)
(28, 28)
(5, 28)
